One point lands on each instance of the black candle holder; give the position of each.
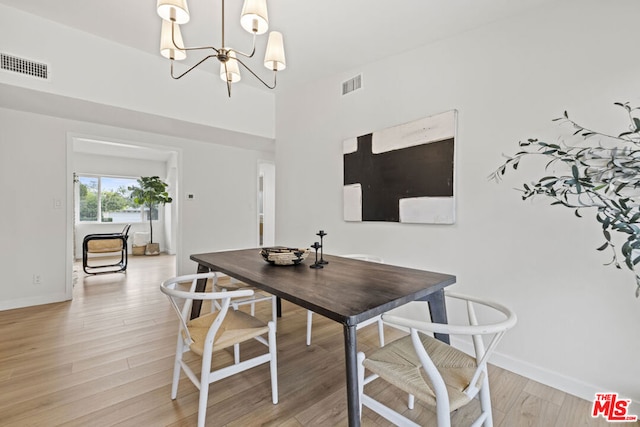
(316, 264)
(321, 233)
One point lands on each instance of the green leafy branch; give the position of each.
(604, 176)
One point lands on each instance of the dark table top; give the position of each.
(346, 290)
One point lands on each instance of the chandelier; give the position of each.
(254, 20)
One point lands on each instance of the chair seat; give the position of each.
(231, 285)
(237, 326)
(398, 364)
(236, 286)
(104, 245)
(259, 295)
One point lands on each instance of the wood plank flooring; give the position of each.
(105, 359)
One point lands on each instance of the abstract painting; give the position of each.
(402, 174)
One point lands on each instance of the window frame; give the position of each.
(142, 218)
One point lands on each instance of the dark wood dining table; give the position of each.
(346, 290)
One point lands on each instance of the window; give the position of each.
(107, 199)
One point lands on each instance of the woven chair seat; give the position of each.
(398, 364)
(236, 286)
(260, 295)
(237, 326)
(104, 246)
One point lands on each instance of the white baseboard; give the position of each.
(30, 301)
(550, 378)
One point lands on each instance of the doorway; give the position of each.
(266, 203)
(109, 158)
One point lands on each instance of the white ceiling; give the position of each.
(322, 37)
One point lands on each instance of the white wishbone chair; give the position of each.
(438, 374)
(211, 332)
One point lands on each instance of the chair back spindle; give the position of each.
(455, 378)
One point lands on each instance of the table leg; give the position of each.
(200, 287)
(438, 311)
(351, 351)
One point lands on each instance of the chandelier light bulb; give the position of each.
(167, 48)
(232, 71)
(274, 56)
(254, 17)
(174, 10)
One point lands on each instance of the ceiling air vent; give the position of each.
(23, 66)
(352, 84)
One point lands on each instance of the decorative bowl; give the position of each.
(281, 255)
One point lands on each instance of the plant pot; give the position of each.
(138, 250)
(152, 249)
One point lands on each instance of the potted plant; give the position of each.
(588, 169)
(150, 193)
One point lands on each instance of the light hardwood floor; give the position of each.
(106, 358)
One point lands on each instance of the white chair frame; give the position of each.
(482, 354)
(251, 301)
(181, 301)
(376, 319)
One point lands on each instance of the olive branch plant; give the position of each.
(600, 171)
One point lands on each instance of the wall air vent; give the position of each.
(23, 66)
(352, 84)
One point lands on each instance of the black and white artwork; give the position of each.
(402, 174)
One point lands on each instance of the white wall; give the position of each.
(34, 233)
(578, 319)
(87, 67)
(34, 171)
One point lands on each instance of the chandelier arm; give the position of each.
(201, 48)
(258, 77)
(191, 68)
(247, 55)
(173, 40)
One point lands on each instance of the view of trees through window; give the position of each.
(108, 199)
